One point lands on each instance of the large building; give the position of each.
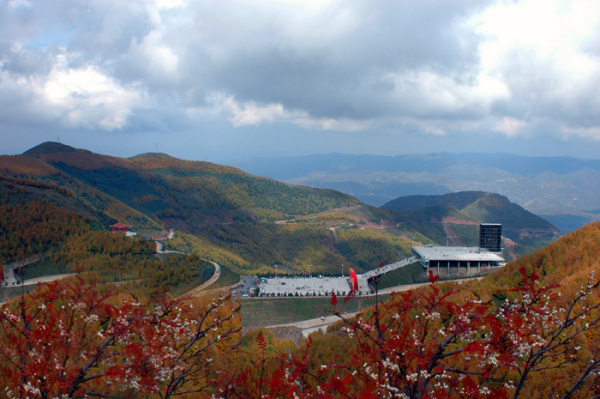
(469, 258)
(488, 254)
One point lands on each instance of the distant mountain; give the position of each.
(286, 168)
(522, 230)
(549, 186)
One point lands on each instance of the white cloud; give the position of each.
(547, 54)
(19, 3)
(166, 4)
(510, 126)
(155, 57)
(89, 98)
(592, 133)
(518, 68)
(80, 97)
(254, 114)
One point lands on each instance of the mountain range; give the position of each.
(252, 223)
(564, 191)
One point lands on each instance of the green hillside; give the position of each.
(454, 218)
(172, 190)
(64, 241)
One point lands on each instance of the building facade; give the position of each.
(490, 237)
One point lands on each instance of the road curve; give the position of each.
(208, 283)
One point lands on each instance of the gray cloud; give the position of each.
(428, 67)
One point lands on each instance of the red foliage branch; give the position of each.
(65, 339)
(425, 344)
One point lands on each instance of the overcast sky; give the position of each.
(226, 79)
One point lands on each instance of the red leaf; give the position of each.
(261, 341)
(432, 278)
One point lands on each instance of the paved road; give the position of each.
(10, 278)
(208, 283)
(47, 279)
(159, 249)
(201, 287)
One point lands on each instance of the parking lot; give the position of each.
(246, 287)
(303, 286)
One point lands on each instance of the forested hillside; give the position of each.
(177, 191)
(63, 241)
(249, 223)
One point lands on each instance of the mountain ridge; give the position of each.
(561, 189)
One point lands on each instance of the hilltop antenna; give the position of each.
(58, 138)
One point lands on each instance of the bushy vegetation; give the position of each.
(65, 242)
(33, 228)
(514, 334)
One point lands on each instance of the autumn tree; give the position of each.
(428, 344)
(67, 339)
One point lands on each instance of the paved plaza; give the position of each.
(309, 286)
(304, 286)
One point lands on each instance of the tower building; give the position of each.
(490, 237)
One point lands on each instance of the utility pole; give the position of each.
(342, 270)
(309, 273)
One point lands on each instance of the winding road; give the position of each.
(194, 291)
(208, 283)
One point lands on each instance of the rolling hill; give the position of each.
(185, 192)
(248, 222)
(456, 216)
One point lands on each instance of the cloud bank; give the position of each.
(526, 68)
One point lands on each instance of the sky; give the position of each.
(225, 80)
